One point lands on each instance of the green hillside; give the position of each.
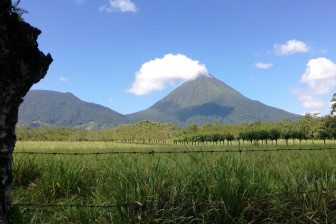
(50, 108)
(199, 101)
(208, 100)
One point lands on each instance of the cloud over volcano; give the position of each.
(160, 72)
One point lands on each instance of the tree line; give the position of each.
(141, 132)
(309, 127)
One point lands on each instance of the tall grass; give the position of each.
(178, 188)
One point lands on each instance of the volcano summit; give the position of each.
(208, 100)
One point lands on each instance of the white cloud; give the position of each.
(311, 102)
(158, 73)
(320, 75)
(291, 47)
(110, 99)
(263, 65)
(307, 100)
(119, 5)
(63, 79)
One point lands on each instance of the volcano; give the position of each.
(199, 101)
(208, 100)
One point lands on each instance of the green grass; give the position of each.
(186, 188)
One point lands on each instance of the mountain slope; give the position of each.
(206, 100)
(44, 107)
(202, 100)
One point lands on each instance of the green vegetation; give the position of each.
(50, 108)
(333, 104)
(209, 100)
(255, 187)
(142, 132)
(309, 127)
(220, 187)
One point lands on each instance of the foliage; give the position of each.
(193, 128)
(308, 127)
(142, 132)
(15, 8)
(333, 104)
(193, 188)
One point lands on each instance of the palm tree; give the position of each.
(333, 105)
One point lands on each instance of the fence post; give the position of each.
(21, 65)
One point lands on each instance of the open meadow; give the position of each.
(289, 186)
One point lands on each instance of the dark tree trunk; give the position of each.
(21, 65)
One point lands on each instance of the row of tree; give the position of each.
(309, 126)
(253, 136)
(142, 132)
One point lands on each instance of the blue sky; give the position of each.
(128, 54)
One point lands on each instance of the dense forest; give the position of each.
(309, 126)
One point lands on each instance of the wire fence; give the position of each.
(153, 152)
(146, 204)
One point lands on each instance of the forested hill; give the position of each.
(50, 108)
(209, 100)
(200, 101)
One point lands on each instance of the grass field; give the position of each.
(248, 187)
